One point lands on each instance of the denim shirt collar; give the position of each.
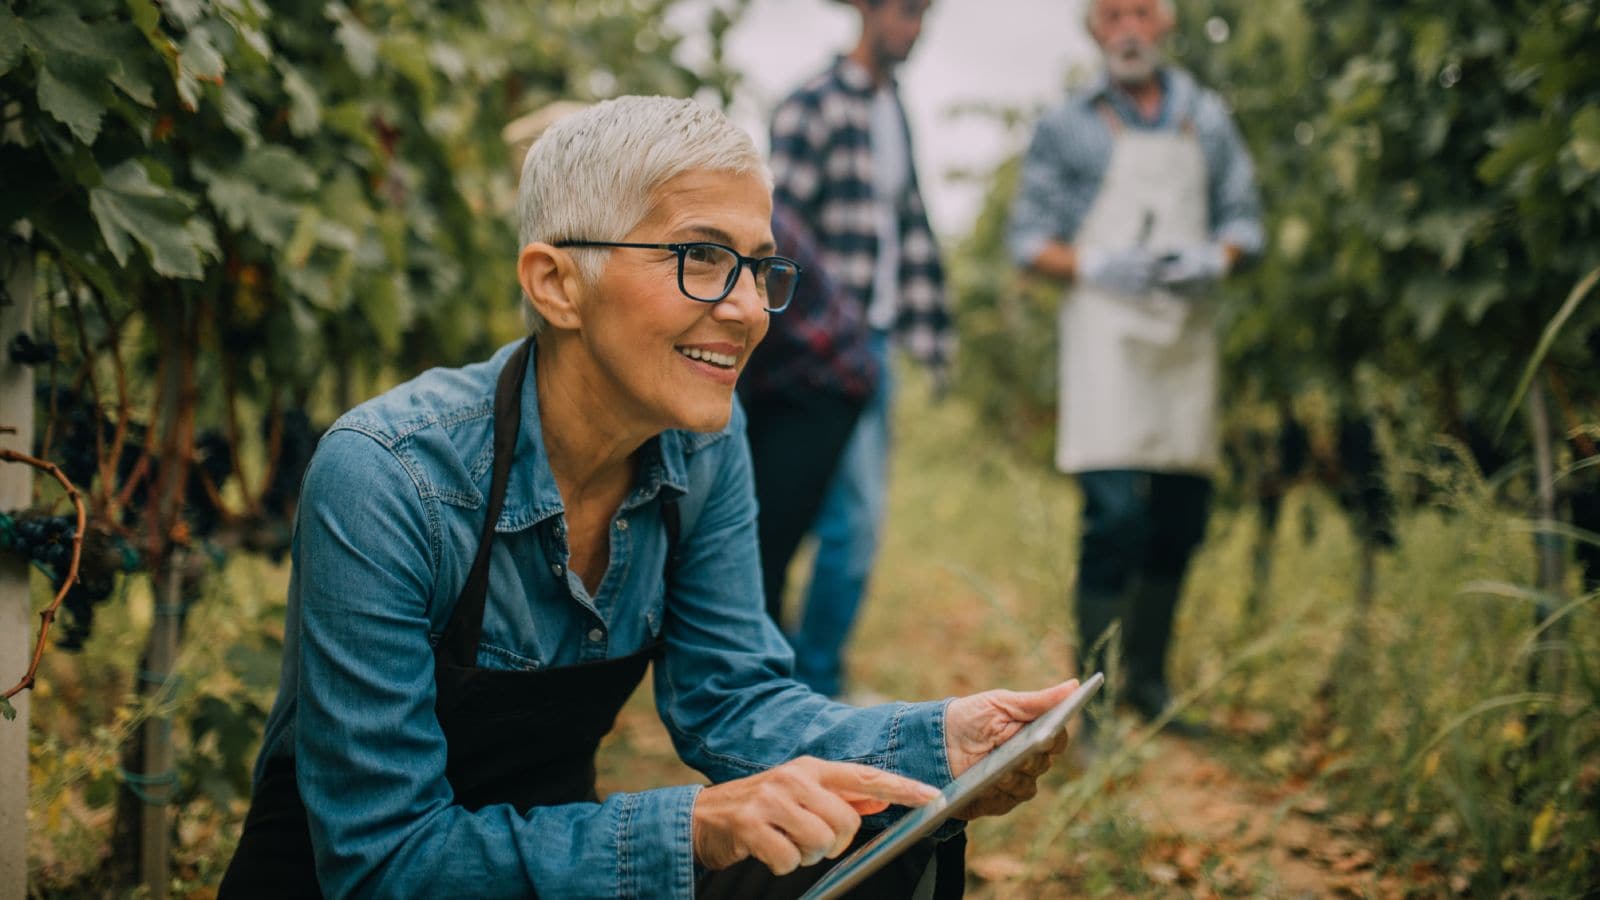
(532, 495)
(1177, 100)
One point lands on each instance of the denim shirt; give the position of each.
(1071, 148)
(387, 527)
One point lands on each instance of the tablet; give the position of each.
(921, 821)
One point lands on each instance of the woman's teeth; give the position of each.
(722, 360)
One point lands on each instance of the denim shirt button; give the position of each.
(556, 569)
(596, 634)
(622, 524)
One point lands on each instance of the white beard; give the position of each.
(1132, 62)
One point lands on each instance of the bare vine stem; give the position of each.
(47, 616)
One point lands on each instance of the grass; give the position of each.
(1432, 752)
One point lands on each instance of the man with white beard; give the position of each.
(1139, 194)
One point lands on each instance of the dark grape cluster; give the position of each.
(78, 426)
(47, 540)
(213, 462)
(44, 539)
(295, 446)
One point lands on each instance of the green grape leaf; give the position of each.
(11, 42)
(201, 57)
(245, 206)
(7, 710)
(277, 167)
(131, 208)
(304, 237)
(360, 46)
(1585, 143)
(1525, 144)
(74, 97)
(146, 16)
(305, 108)
(406, 54)
(183, 12)
(256, 196)
(239, 115)
(63, 33)
(133, 83)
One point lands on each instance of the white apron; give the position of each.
(1138, 374)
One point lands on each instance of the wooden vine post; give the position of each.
(16, 492)
(1546, 667)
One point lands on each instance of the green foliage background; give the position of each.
(1431, 174)
(239, 210)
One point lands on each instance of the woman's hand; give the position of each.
(795, 814)
(977, 724)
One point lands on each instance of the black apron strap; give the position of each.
(459, 644)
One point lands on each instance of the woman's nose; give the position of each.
(744, 301)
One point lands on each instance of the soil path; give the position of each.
(1214, 833)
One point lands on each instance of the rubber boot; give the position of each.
(1146, 640)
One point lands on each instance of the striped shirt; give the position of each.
(823, 168)
(1071, 148)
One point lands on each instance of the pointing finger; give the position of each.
(855, 783)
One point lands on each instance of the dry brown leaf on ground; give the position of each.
(1354, 861)
(1251, 722)
(1162, 873)
(1313, 805)
(1190, 860)
(997, 867)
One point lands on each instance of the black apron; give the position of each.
(523, 738)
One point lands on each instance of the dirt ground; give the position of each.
(1211, 832)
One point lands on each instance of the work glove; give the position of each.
(1127, 271)
(1191, 269)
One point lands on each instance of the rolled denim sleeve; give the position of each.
(370, 754)
(1052, 195)
(725, 689)
(1235, 201)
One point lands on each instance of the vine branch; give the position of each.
(47, 616)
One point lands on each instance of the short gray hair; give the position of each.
(593, 174)
(1089, 6)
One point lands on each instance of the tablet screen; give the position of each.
(921, 822)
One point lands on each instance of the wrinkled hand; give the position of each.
(977, 724)
(1129, 271)
(1192, 268)
(795, 814)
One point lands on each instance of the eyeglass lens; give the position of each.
(709, 272)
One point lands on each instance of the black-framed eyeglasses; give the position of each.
(707, 271)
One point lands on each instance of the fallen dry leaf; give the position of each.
(1312, 805)
(1162, 873)
(1355, 861)
(1190, 859)
(997, 867)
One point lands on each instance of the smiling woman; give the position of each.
(487, 559)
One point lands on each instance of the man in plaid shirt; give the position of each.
(841, 158)
(803, 391)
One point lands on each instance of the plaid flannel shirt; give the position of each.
(822, 167)
(820, 342)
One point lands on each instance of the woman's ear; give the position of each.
(550, 279)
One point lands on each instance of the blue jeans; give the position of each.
(1140, 529)
(847, 530)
